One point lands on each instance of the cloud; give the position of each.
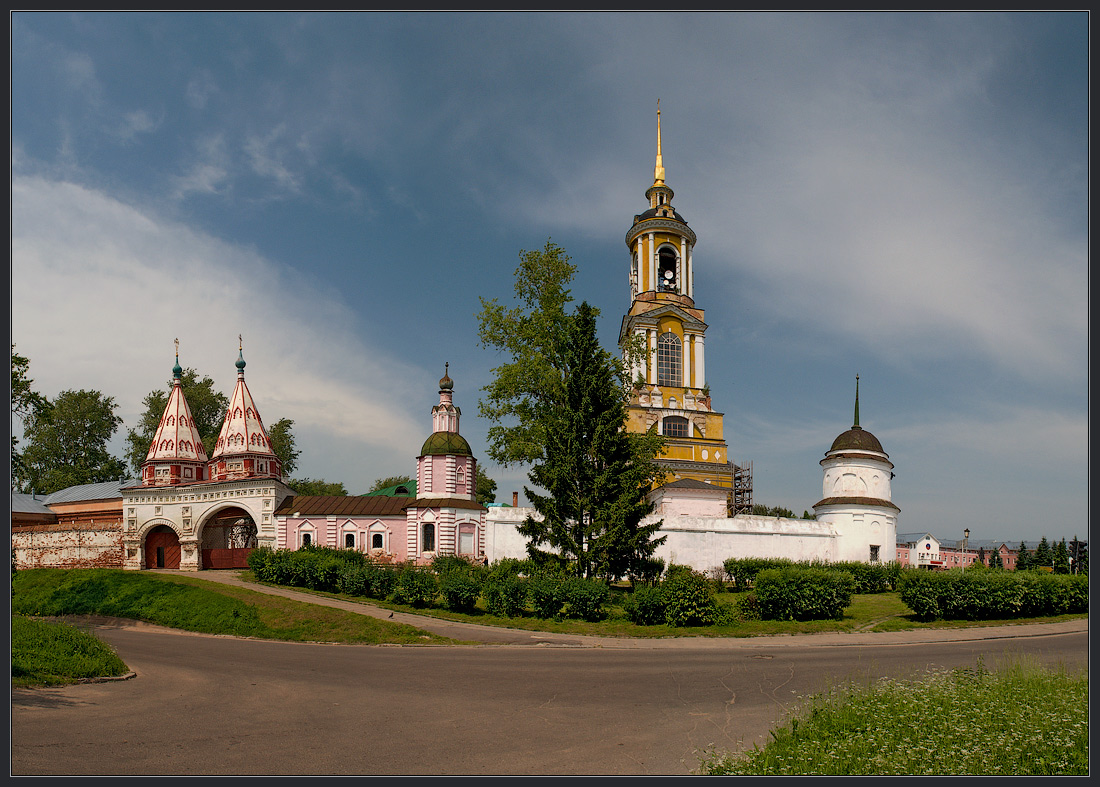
(100, 289)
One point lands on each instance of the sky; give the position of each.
(898, 196)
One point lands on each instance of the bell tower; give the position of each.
(663, 337)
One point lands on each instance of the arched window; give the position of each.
(670, 356)
(666, 269)
(427, 539)
(349, 540)
(307, 539)
(675, 426)
(376, 541)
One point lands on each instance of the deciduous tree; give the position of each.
(283, 445)
(67, 442)
(208, 407)
(317, 486)
(24, 402)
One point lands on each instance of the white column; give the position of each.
(700, 375)
(652, 264)
(651, 342)
(685, 268)
(685, 365)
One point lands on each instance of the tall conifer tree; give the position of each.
(594, 472)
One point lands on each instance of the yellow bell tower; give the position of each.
(670, 388)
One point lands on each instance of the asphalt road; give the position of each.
(204, 705)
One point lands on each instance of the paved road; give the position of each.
(203, 705)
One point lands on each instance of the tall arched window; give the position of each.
(675, 426)
(670, 356)
(666, 269)
(427, 537)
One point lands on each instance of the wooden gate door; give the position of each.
(162, 548)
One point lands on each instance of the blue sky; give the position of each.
(899, 196)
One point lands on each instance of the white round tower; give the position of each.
(856, 496)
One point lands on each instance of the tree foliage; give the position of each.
(208, 407)
(67, 442)
(317, 486)
(388, 481)
(593, 471)
(1060, 558)
(25, 401)
(486, 488)
(283, 445)
(531, 335)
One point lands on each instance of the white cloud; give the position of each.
(100, 289)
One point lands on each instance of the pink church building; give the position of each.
(443, 518)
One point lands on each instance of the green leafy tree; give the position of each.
(995, 561)
(283, 445)
(1042, 557)
(1060, 558)
(317, 486)
(388, 481)
(531, 334)
(594, 472)
(486, 488)
(1023, 557)
(762, 510)
(208, 407)
(67, 442)
(24, 403)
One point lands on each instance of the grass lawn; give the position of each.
(1020, 720)
(46, 653)
(192, 604)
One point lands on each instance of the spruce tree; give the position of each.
(1060, 558)
(593, 471)
(1042, 556)
(1023, 557)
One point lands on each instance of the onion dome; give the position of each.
(445, 382)
(440, 443)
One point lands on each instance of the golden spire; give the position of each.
(659, 167)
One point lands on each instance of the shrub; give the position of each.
(803, 593)
(983, 595)
(742, 571)
(353, 581)
(688, 597)
(648, 570)
(645, 606)
(585, 598)
(505, 594)
(459, 589)
(416, 587)
(547, 594)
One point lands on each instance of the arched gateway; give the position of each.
(191, 512)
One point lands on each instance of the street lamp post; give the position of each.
(966, 543)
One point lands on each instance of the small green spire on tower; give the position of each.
(240, 356)
(177, 371)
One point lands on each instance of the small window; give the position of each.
(306, 539)
(376, 541)
(349, 540)
(874, 553)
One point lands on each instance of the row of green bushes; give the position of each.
(507, 587)
(987, 595)
(869, 577)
